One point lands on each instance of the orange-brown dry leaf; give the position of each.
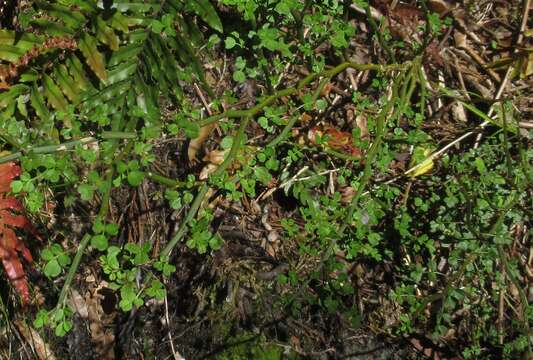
(10, 244)
(326, 90)
(305, 118)
(335, 139)
(196, 144)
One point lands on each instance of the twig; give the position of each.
(176, 354)
(371, 155)
(444, 149)
(523, 25)
(247, 115)
(374, 13)
(104, 207)
(202, 97)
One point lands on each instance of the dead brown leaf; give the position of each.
(34, 338)
(196, 144)
(102, 334)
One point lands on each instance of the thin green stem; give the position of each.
(367, 171)
(505, 141)
(163, 180)
(104, 208)
(284, 133)
(50, 149)
(299, 86)
(83, 244)
(369, 160)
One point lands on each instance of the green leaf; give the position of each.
(95, 59)
(10, 53)
(192, 130)
(227, 142)
(119, 22)
(230, 43)
(106, 35)
(37, 102)
(63, 328)
(52, 268)
(7, 97)
(480, 166)
(125, 305)
(63, 260)
(24, 41)
(135, 178)
(42, 318)
(122, 72)
(262, 175)
(66, 83)
(54, 95)
(189, 56)
(47, 254)
(111, 229)
(99, 242)
(73, 19)
(135, 7)
(75, 68)
(207, 13)
(239, 76)
(125, 53)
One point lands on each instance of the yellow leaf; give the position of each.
(423, 167)
(526, 67)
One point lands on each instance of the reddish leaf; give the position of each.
(335, 139)
(10, 244)
(8, 172)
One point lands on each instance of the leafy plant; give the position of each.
(90, 93)
(10, 244)
(80, 74)
(56, 260)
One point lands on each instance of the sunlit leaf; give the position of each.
(37, 102)
(8, 96)
(54, 95)
(73, 19)
(94, 58)
(66, 83)
(106, 34)
(205, 10)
